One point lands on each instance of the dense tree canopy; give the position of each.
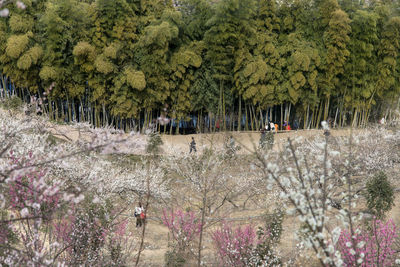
(232, 64)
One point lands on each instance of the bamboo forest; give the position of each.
(206, 65)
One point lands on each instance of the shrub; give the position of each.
(154, 143)
(13, 103)
(269, 237)
(174, 259)
(380, 195)
(267, 140)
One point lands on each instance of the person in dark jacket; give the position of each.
(193, 146)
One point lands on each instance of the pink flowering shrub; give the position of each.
(184, 227)
(54, 224)
(33, 196)
(235, 246)
(32, 202)
(369, 248)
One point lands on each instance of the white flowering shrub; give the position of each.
(322, 180)
(46, 178)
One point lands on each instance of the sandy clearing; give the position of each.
(247, 140)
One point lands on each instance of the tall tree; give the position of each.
(388, 61)
(63, 25)
(336, 39)
(358, 84)
(258, 66)
(22, 52)
(113, 76)
(230, 28)
(154, 50)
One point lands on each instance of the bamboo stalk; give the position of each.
(319, 115)
(240, 114)
(354, 117)
(336, 114)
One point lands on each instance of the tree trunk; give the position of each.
(145, 121)
(2, 91)
(255, 120)
(246, 118)
(251, 118)
(319, 115)
(198, 129)
(223, 112)
(232, 118)
(336, 115)
(203, 217)
(306, 115)
(23, 94)
(104, 117)
(272, 114)
(354, 117)
(209, 122)
(240, 114)
(326, 111)
(262, 118)
(177, 127)
(82, 114)
(146, 209)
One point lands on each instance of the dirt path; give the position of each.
(247, 140)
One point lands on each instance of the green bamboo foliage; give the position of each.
(388, 53)
(360, 77)
(228, 41)
(204, 91)
(230, 26)
(336, 39)
(115, 79)
(113, 61)
(183, 65)
(259, 74)
(22, 51)
(61, 27)
(153, 56)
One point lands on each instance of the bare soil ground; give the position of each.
(247, 140)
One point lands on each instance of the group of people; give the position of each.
(270, 126)
(230, 146)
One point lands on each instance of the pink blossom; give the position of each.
(369, 249)
(183, 226)
(235, 246)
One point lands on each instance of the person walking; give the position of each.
(193, 146)
(140, 215)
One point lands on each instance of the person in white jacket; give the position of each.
(140, 215)
(272, 126)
